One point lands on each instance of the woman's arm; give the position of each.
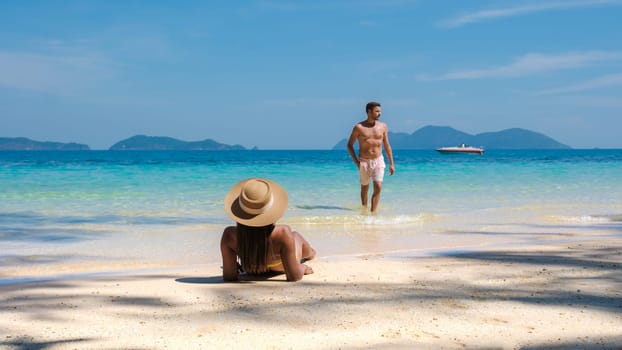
(294, 270)
(228, 242)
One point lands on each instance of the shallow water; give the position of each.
(106, 206)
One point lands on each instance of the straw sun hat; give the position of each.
(256, 202)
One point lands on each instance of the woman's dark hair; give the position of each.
(253, 247)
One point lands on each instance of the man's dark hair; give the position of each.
(371, 105)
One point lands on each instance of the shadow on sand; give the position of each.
(246, 302)
(242, 279)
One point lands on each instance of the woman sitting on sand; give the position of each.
(260, 245)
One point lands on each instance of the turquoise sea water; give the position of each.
(66, 206)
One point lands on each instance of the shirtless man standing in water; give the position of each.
(371, 135)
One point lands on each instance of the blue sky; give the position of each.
(297, 74)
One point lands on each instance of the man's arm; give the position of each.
(351, 141)
(388, 150)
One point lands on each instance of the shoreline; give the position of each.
(83, 268)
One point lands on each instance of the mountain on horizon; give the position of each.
(428, 137)
(161, 143)
(26, 144)
(432, 137)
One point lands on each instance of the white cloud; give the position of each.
(531, 64)
(600, 82)
(491, 14)
(53, 74)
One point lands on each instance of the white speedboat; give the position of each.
(461, 149)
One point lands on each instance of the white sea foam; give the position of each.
(579, 219)
(363, 220)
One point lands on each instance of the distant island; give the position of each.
(162, 143)
(25, 144)
(428, 137)
(432, 137)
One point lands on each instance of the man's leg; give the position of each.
(364, 195)
(375, 198)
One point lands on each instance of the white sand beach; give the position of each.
(551, 296)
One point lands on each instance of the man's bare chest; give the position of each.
(374, 133)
